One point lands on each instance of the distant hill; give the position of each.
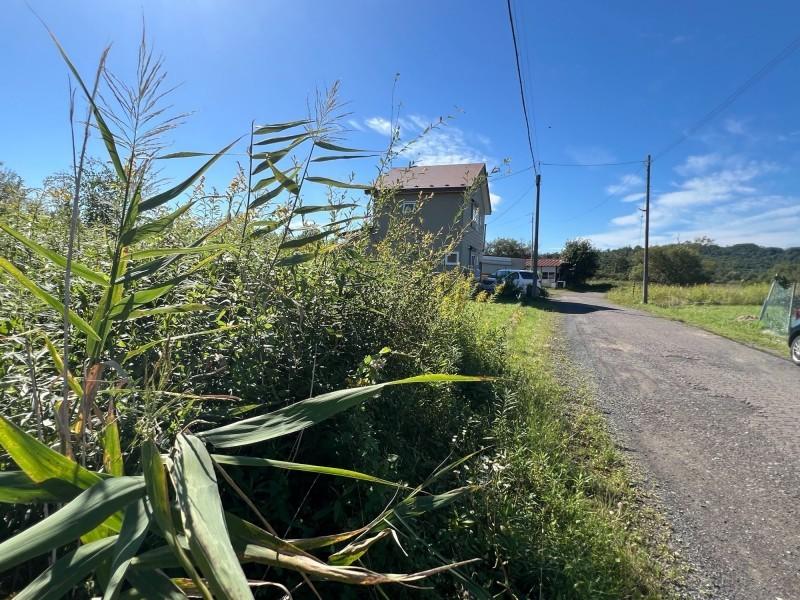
(740, 262)
(749, 262)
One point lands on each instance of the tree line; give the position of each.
(685, 263)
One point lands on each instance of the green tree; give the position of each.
(100, 192)
(616, 263)
(676, 264)
(12, 189)
(582, 260)
(789, 271)
(508, 247)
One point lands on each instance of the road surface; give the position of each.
(715, 427)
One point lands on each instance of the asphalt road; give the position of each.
(714, 426)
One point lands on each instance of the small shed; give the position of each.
(549, 270)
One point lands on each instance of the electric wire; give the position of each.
(787, 51)
(507, 175)
(608, 198)
(511, 205)
(608, 164)
(527, 78)
(521, 87)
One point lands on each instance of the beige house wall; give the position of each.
(448, 215)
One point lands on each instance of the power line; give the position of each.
(610, 196)
(521, 87)
(527, 78)
(750, 82)
(609, 164)
(511, 205)
(507, 175)
(538, 178)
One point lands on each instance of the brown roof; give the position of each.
(545, 262)
(434, 176)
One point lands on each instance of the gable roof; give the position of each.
(434, 176)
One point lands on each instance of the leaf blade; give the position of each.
(134, 529)
(192, 473)
(68, 571)
(105, 132)
(177, 190)
(304, 240)
(54, 257)
(253, 461)
(47, 298)
(154, 227)
(303, 414)
(276, 127)
(338, 184)
(81, 515)
(158, 494)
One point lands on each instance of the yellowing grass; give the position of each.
(708, 294)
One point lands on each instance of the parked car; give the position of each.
(794, 341)
(490, 282)
(520, 280)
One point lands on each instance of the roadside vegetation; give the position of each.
(242, 393)
(730, 310)
(750, 294)
(564, 478)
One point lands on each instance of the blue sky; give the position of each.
(609, 82)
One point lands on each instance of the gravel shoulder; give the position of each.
(714, 427)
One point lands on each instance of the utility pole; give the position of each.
(646, 276)
(535, 253)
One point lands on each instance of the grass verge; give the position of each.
(736, 322)
(575, 520)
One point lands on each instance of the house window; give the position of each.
(475, 216)
(409, 206)
(473, 258)
(451, 259)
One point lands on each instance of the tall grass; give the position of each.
(175, 328)
(708, 294)
(563, 479)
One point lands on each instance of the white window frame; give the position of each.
(473, 258)
(408, 206)
(476, 214)
(449, 263)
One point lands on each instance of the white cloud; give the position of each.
(719, 197)
(633, 197)
(631, 219)
(441, 144)
(625, 184)
(379, 125)
(355, 124)
(697, 164)
(716, 187)
(495, 199)
(627, 236)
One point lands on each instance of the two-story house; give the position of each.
(450, 201)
